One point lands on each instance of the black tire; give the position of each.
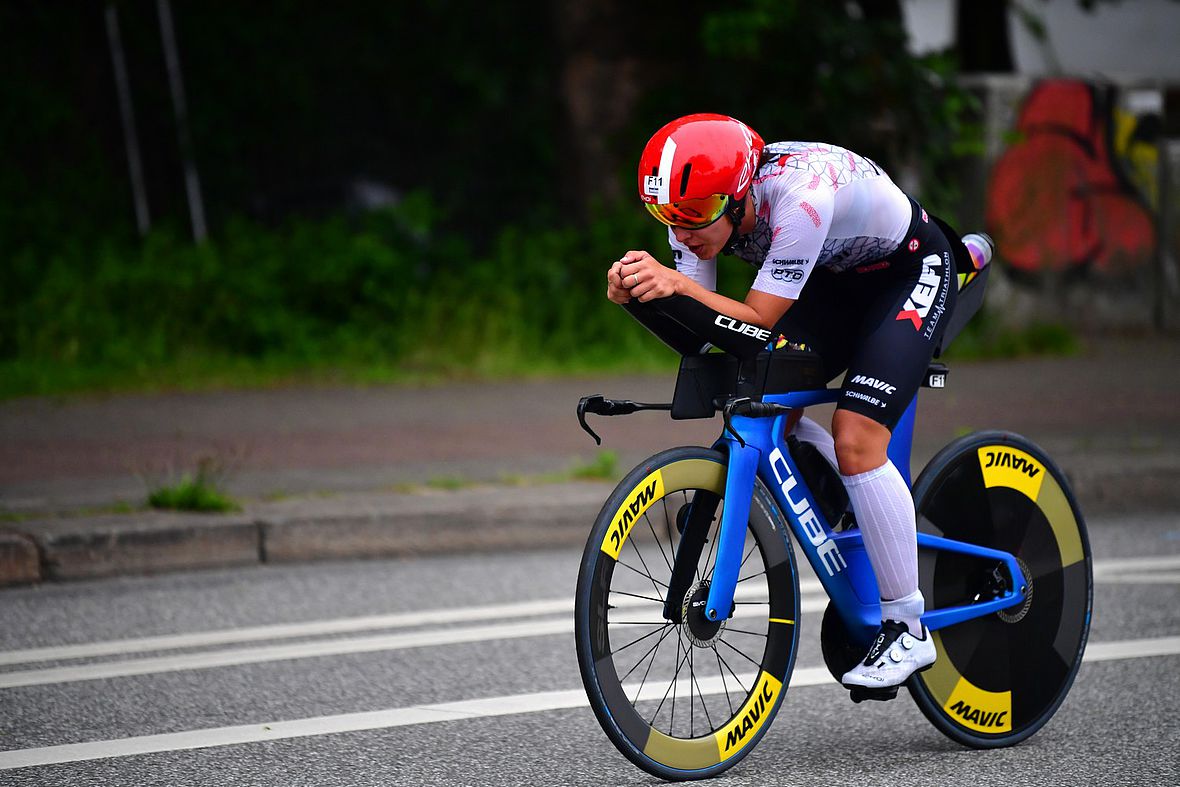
(999, 678)
(638, 667)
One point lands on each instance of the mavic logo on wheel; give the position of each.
(979, 709)
(642, 496)
(825, 548)
(981, 718)
(1018, 463)
(750, 718)
(1011, 467)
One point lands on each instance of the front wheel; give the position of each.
(999, 678)
(681, 696)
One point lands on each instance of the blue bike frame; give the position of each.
(839, 559)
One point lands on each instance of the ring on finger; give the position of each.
(634, 279)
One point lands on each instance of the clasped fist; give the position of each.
(640, 276)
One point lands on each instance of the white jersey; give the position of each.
(815, 204)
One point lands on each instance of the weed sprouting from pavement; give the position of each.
(197, 492)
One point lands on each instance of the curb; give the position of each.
(357, 526)
(344, 527)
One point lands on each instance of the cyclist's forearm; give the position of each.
(720, 303)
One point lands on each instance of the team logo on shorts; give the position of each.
(917, 306)
(914, 245)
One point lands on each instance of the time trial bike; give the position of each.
(688, 596)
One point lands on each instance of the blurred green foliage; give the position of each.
(383, 297)
(487, 265)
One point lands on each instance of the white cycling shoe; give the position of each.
(894, 656)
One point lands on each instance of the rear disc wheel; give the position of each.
(1000, 678)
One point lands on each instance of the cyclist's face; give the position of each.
(707, 242)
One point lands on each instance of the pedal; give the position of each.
(860, 694)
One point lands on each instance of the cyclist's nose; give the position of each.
(681, 234)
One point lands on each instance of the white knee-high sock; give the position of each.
(885, 512)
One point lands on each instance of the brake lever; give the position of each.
(727, 415)
(600, 405)
(583, 403)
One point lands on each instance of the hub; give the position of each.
(1017, 613)
(700, 631)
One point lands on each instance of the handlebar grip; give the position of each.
(759, 409)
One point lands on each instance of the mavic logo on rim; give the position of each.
(1011, 467)
(1018, 463)
(647, 492)
(980, 718)
(750, 718)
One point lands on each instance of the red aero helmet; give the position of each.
(691, 168)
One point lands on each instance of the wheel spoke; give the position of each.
(659, 601)
(731, 630)
(652, 528)
(732, 674)
(645, 568)
(671, 686)
(651, 651)
(701, 696)
(647, 576)
(615, 651)
(724, 686)
(740, 653)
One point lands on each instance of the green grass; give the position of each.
(195, 492)
(604, 467)
(191, 494)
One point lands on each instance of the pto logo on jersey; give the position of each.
(917, 306)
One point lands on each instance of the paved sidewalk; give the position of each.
(328, 472)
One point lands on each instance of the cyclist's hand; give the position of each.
(645, 278)
(616, 291)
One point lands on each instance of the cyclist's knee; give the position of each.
(861, 443)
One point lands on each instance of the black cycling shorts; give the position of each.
(880, 321)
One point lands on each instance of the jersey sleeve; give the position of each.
(703, 272)
(800, 220)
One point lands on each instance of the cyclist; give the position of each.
(849, 266)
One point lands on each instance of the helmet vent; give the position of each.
(684, 178)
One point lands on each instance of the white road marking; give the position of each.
(304, 650)
(1136, 564)
(1157, 569)
(289, 630)
(315, 628)
(427, 714)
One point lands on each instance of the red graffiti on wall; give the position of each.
(1058, 199)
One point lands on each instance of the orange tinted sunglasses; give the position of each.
(690, 214)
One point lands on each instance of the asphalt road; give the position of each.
(372, 673)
